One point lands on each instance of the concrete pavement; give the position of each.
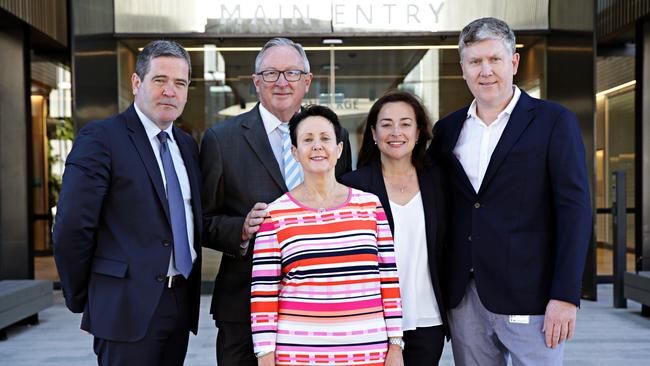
(604, 336)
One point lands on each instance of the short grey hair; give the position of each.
(486, 28)
(281, 42)
(157, 49)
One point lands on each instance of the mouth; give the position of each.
(485, 83)
(318, 158)
(167, 105)
(396, 143)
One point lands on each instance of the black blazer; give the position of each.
(112, 232)
(239, 170)
(370, 179)
(526, 231)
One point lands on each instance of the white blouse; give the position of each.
(419, 305)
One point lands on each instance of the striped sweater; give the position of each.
(325, 289)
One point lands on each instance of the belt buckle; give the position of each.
(170, 281)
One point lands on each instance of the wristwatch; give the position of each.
(262, 354)
(397, 341)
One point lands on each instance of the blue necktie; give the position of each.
(292, 170)
(182, 256)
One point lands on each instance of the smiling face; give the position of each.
(488, 68)
(317, 150)
(282, 98)
(396, 131)
(162, 93)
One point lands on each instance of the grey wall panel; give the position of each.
(95, 79)
(92, 17)
(15, 260)
(644, 130)
(574, 15)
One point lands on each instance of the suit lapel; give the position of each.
(429, 203)
(378, 186)
(139, 138)
(451, 144)
(190, 163)
(521, 116)
(256, 136)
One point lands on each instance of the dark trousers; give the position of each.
(164, 343)
(423, 346)
(235, 344)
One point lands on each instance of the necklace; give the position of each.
(404, 187)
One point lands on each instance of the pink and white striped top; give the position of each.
(325, 289)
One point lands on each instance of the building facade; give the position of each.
(358, 49)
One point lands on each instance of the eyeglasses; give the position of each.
(271, 76)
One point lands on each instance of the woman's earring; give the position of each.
(375, 142)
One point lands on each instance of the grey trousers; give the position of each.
(480, 337)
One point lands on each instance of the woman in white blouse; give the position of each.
(393, 165)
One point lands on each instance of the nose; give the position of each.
(486, 70)
(168, 90)
(282, 81)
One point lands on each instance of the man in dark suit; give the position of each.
(520, 211)
(128, 223)
(246, 163)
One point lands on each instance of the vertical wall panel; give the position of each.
(15, 259)
(643, 89)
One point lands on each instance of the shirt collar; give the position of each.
(471, 112)
(151, 128)
(270, 121)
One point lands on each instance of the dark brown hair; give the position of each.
(314, 111)
(370, 152)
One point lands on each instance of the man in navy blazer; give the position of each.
(128, 223)
(520, 211)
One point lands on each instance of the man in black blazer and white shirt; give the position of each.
(244, 163)
(520, 211)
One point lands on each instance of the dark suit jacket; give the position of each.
(370, 179)
(239, 170)
(527, 230)
(112, 233)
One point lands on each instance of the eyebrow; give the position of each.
(399, 119)
(167, 77)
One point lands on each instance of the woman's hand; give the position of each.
(267, 360)
(394, 356)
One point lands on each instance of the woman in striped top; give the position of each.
(325, 289)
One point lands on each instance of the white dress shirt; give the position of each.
(477, 141)
(152, 131)
(419, 305)
(271, 124)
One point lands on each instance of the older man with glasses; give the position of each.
(246, 162)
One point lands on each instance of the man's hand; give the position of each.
(267, 360)
(253, 220)
(394, 356)
(559, 322)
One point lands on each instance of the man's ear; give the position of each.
(135, 83)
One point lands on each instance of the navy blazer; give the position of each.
(238, 170)
(370, 179)
(112, 234)
(527, 230)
